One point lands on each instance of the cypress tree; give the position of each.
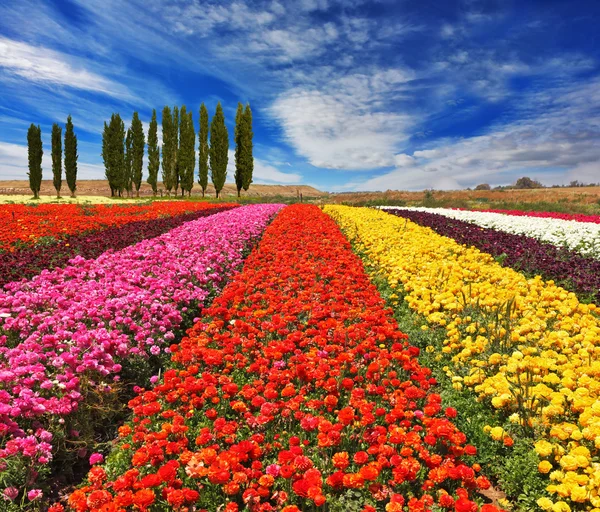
(203, 149)
(219, 146)
(57, 158)
(71, 156)
(238, 138)
(187, 152)
(34, 154)
(247, 156)
(167, 150)
(175, 164)
(153, 154)
(137, 152)
(128, 172)
(113, 154)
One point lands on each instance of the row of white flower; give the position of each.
(583, 237)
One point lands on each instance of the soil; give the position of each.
(101, 188)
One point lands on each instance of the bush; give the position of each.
(526, 182)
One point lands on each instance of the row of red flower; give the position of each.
(21, 223)
(295, 390)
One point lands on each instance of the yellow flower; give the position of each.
(543, 448)
(561, 506)
(569, 463)
(497, 433)
(545, 503)
(579, 494)
(544, 467)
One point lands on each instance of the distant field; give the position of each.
(568, 200)
(582, 195)
(99, 191)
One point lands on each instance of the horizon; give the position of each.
(347, 96)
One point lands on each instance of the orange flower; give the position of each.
(341, 460)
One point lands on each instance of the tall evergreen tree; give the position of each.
(247, 156)
(187, 152)
(219, 147)
(128, 173)
(238, 138)
(203, 149)
(34, 154)
(176, 128)
(153, 154)
(113, 154)
(57, 158)
(71, 156)
(138, 143)
(168, 150)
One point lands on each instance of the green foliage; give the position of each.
(138, 142)
(57, 157)
(34, 153)
(113, 154)
(153, 153)
(246, 154)
(176, 127)
(170, 173)
(71, 156)
(244, 162)
(526, 182)
(219, 147)
(128, 174)
(203, 149)
(169, 151)
(238, 138)
(187, 151)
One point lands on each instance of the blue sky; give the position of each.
(346, 94)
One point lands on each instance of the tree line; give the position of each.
(34, 156)
(123, 151)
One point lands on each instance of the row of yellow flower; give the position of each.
(527, 347)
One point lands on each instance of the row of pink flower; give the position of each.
(85, 318)
(579, 217)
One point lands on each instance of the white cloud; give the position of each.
(346, 125)
(556, 145)
(263, 172)
(13, 161)
(14, 164)
(39, 64)
(404, 160)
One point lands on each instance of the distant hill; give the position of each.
(101, 188)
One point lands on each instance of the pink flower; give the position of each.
(273, 470)
(34, 494)
(10, 493)
(96, 458)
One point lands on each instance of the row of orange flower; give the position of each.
(295, 390)
(21, 223)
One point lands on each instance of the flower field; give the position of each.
(582, 237)
(29, 260)
(65, 335)
(523, 253)
(525, 347)
(579, 217)
(251, 359)
(22, 224)
(296, 390)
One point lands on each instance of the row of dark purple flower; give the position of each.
(525, 254)
(29, 261)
